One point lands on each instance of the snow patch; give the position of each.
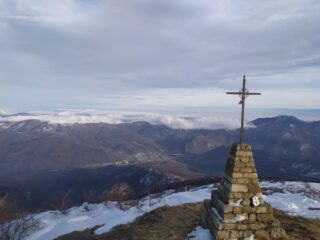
(238, 218)
(251, 237)
(236, 204)
(199, 233)
(217, 214)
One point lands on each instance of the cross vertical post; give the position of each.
(243, 94)
(242, 107)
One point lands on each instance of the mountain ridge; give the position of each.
(286, 141)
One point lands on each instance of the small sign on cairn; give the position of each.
(236, 210)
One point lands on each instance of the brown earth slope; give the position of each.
(174, 223)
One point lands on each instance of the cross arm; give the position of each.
(237, 93)
(252, 93)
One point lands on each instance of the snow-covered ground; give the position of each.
(296, 198)
(293, 197)
(109, 214)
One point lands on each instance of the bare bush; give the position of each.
(62, 203)
(18, 228)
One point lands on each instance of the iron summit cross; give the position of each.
(243, 93)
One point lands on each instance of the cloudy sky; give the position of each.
(158, 54)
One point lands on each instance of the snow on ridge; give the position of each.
(183, 121)
(287, 196)
(109, 214)
(307, 188)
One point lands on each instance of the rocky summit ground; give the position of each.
(174, 223)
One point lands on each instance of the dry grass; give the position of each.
(172, 223)
(299, 228)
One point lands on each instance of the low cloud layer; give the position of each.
(201, 119)
(71, 53)
(174, 121)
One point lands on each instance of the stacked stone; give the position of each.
(237, 210)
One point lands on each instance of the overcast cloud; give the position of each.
(157, 53)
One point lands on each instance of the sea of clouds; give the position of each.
(173, 120)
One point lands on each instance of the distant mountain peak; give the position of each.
(282, 120)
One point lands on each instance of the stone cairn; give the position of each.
(236, 210)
